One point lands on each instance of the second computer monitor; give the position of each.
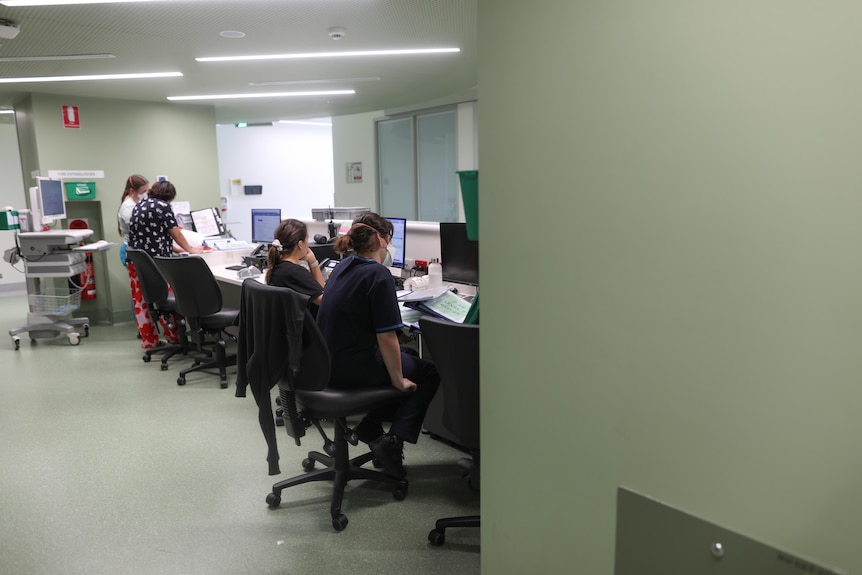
(263, 224)
(458, 254)
(399, 233)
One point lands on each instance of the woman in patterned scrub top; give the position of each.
(153, 229)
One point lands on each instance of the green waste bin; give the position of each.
(470, 195)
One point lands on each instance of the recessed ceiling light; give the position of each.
(66, 2)
(232, 34)
(325, 81)
(90, 77)
(261, 95)
(53, 58)
(355, 54)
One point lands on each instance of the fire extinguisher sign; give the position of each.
(71, 119)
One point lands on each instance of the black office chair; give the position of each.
(160, 303)
(199, 301)
(270, 319)
(455, 349)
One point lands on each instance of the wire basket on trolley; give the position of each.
(54, 301)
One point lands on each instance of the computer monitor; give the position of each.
(263, 224)
(458, 254)
(208, 222)
(399, 233)
(51, 199)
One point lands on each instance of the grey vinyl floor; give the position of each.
(108, 466)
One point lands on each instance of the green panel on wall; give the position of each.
(80, 190)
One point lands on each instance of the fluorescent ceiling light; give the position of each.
(65, 2)
(53, 58)
(332, 81)
(299, 56)
(90, 77)
(7, 111)
(306, 123)
(261, 95)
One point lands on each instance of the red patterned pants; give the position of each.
(146, 326)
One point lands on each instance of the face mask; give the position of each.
(390, 255)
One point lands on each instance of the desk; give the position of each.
(231, 287)
(230, 283)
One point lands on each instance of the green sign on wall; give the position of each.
(80, 190)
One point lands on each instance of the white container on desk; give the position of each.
(435, 274)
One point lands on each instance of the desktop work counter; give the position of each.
(231, 286)
(228, 280)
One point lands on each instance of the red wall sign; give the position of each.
(71, 119)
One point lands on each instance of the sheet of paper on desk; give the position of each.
(408, 315)
(193, 238)
(424, 294)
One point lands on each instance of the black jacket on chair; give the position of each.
(263, 360)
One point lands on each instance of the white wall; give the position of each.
(293, 163)
(11, 194)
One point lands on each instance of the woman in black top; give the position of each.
(289, 248)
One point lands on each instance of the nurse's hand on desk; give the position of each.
(196, 250)
(405, 385)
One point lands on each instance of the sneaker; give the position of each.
(367, 431)
(389, 451)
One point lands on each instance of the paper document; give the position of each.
(424, 294)
(193, 238)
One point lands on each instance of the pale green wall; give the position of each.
(121, 138)
(354, 139)
(689, 322)
(11, 194)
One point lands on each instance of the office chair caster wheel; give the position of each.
(436, 538)
(164, 367)
(400, 493)
(307, 464)
(17, 342)
(146, 358)
(339, 523)
(86, 330)
(181, 380)
(223, 384)
(273, 500)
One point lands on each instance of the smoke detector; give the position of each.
(337, 33)
(8, 29)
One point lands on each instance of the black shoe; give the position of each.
(367, 431)
(389, 451)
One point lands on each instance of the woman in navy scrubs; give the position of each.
(360, 320)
